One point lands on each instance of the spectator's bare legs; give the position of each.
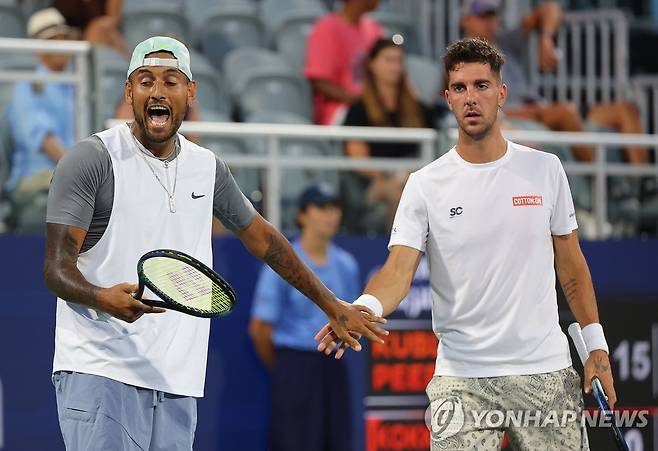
(623, 117)
(105, 30)
(561, 117)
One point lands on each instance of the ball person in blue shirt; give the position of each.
(310, 394)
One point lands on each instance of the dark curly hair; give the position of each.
(473, 50)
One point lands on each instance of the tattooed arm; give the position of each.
(268, 244)
(573, 273)
(574, 276)
(63, 277)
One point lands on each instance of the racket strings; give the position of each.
(221, 301)
(187, 285)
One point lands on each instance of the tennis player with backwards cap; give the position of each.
(127, 374)
(494, 218)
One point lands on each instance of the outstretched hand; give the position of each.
(346, 326)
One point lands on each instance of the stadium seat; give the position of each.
(219, 144)
(210, 89)
(393, 24)
(274, 12)
(196, 11)
(239, 64)
(12, 22)
(109, 75)
(248, 178)
(426, 78)
(294, 180)
(290, 34)
(227, 26)
(262, 80)
(288, 24)
(145, 19)
(29, 7)
(136, 6)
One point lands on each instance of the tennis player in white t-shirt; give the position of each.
(494, 218)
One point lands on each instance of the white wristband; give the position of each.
(368, 300)
(594, 338)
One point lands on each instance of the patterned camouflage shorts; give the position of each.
(538, 412)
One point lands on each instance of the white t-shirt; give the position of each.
(486, 230)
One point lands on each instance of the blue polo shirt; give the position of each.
(37, 110)
(295, 318)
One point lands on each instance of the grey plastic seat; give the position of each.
(197, 11)
(394, 24)
(210, 89)
(270, 90)
(294, 180)
(146, 19)
(227, 26)
(291, 35)
(426, 78)
(240, 63)
(262, 80)
(247, 178)
(12, 22)
(220, 145)
(275, 12)
(29, 7)
(109, 75)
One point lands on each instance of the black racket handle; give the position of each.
(155, 303)
(150, 302)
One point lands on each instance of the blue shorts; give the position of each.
(97, 413)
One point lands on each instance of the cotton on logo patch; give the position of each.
(528, 201)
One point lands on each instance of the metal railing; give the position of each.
(273, 162)
(79, 77)
(593, 67)
(600, 169)
(645, 92)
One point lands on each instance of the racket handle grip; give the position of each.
(154, 303)
(578, 341)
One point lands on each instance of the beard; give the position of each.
(140, 121)
(475, 134)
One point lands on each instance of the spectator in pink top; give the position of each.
(335, 58)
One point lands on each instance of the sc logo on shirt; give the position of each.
(456, 211)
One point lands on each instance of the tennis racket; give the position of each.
(184, 284)
(597, 389)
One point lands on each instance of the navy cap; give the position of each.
(480, 7)
(320, 194)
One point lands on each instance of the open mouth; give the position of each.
(158, 115)
(472, 114)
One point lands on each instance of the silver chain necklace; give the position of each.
(143, 152)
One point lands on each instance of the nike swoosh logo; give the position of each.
(194, 196)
